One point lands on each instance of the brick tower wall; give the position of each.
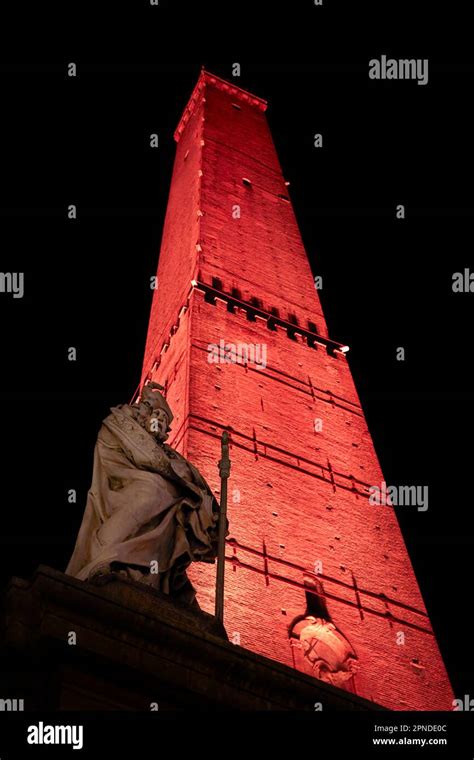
(301, 525)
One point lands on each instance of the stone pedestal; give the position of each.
(136, 650)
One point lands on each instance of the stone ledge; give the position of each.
(134, 647)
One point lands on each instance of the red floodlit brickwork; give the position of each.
(303, 536)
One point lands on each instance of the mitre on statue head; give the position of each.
(151, 395)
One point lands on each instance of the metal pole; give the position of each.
(224, 472)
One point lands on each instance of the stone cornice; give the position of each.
(206, 78)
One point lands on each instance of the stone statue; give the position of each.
(149, 512)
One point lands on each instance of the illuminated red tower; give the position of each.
(304, 539)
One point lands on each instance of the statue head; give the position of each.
(153, 411)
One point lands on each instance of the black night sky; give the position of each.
(387, 282)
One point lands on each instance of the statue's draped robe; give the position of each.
(146, 503)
